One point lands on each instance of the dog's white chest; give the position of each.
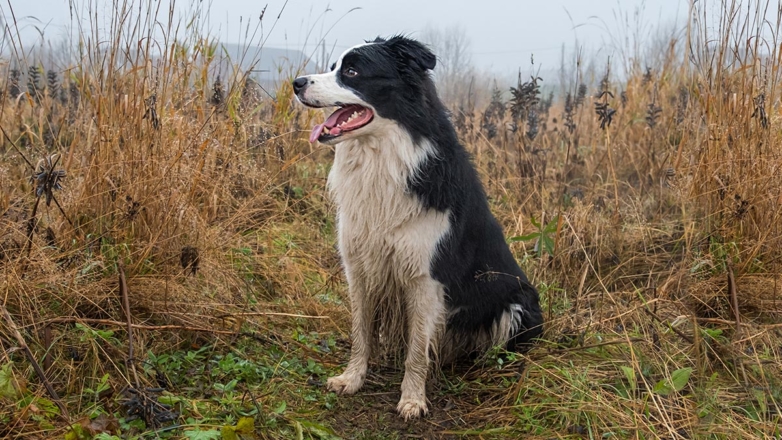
(384, 231)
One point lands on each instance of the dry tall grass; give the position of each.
(198, 202)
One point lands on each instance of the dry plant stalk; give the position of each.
(31, 358)
(130, 363)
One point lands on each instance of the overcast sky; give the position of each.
(503, 34)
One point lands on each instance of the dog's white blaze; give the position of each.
(325, 90)
(338, 64)
(387, 240)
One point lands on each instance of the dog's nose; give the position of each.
(299, 84)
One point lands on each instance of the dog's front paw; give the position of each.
(412, 408)
(345, 383)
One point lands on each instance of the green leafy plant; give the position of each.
(629, 373)
(10, 386)
(103, 385)
(677, 382)
(545, 236)
(245, 426)
(89, 334)
(315, 430)
(198, 434)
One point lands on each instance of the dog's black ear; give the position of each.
(412, 51)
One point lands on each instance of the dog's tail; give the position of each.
(521, 323)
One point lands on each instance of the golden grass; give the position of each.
(666, 243)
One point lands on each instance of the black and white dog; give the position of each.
(427, 264)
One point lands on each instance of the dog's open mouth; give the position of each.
(348, 118)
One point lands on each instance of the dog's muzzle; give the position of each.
(299, 84)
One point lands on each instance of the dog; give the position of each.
(428, 269)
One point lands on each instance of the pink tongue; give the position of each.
(331, 121)
(316, 131)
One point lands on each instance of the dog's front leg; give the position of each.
(353, 377)
(425, 307)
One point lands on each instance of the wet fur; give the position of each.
(427, 264)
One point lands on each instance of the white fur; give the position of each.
(387, 240)
(516, 324)
(324, 90)
(507, 326)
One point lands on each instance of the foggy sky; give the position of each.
(503, 34)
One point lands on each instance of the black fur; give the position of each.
(393, 77)
(474, 262)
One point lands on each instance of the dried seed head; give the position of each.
(682, 104)
(189, 259)
(53, 84)
(581, 95)
(605, 113)
(151, 111)
(34, 87)
(760, 110)
(653, 110)
(532, 123)
(570, 110)
(494, 114)
(647, 78)
(46, 178)
(218, 93)
(13, 83)
(525, 97)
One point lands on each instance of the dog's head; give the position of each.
(382, 79)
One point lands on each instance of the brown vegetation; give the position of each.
(142, 195)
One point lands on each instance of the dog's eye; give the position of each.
(351, 72)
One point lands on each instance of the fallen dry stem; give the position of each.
(31, 358)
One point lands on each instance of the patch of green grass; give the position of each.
(275, 383)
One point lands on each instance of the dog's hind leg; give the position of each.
(425, 308)
(354, 375)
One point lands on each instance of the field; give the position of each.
(168, 265)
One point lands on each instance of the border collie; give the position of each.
(427, 264)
